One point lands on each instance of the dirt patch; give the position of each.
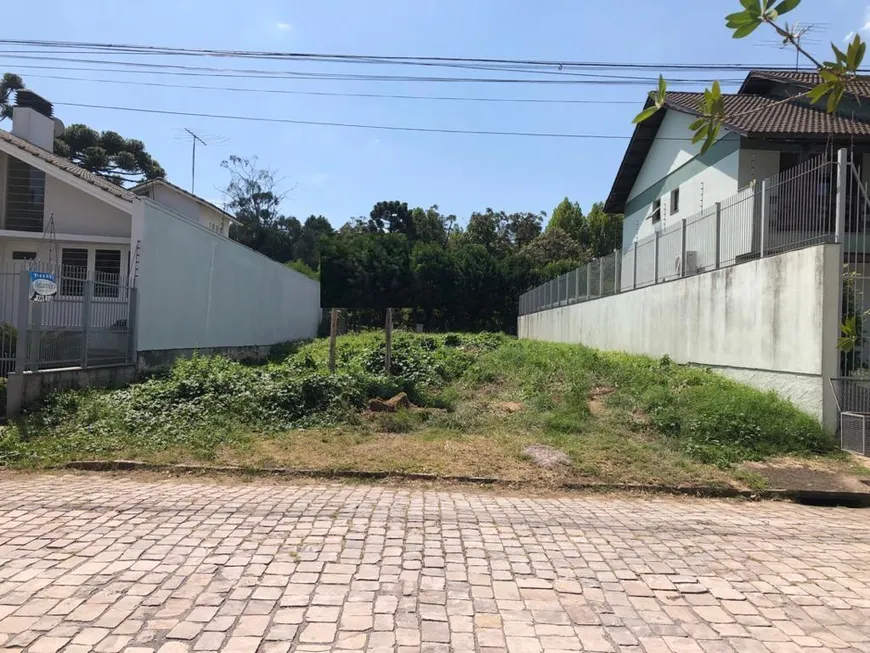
(601, 391)
(640, 416)
(791, 474)
(596, 400)
(546, 456)
(508, 407)
(390, 405)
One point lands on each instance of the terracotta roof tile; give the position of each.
(806, 79)
(766, 116)
(67, 166)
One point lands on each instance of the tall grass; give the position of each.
(204, 404)
(711, 418)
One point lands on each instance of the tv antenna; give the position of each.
(203, 139)
(804, 34)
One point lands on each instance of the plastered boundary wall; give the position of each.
(770, 323)
(199, 290)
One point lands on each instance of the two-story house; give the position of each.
(771, 127)
(53, 210)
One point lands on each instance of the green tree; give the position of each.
(554, 244)
(523, 228)
(604, 231)
(432, 267)
(254, 197)
(392, 217)
(9, 84)
(568, 216)
(108, 154)
(430, 226)
(314, 230)
(837, 77)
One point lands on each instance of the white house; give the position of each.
(197, 289)
(771, 128)
(187, 204)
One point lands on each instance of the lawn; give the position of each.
(479, 401)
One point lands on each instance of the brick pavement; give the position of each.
(106, 564)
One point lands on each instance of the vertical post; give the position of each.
(718, 238)
(634, 267)
(577, 284)
(656, 259)
(588, 281)
(388, 355)
(35, 331)
(87, 296)
(617, 270)
(23, 320)
(601, 277)
(333, 334)
(764, 217)
(683, 247)
(842, 176)
(132, 324)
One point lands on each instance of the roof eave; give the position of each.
(618, 196)
(122, 203)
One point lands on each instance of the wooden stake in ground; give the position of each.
(333, 333)
(388, 328)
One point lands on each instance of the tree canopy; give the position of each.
(108, 154)
(448, 277)
(9, 84)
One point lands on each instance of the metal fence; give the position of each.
(598, 278)
(855, 307)
(88, 321)
(791, 210)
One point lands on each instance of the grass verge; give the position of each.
(480, 400)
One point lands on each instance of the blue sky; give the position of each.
(341, 172)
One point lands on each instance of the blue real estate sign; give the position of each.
(43, 287)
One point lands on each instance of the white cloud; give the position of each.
(284, 27)
(318, 179)
(849, 37)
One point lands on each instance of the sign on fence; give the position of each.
(43, 286)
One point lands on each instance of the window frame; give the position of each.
(675, 200)
(12, 162)
(656, 215)
(71, 286)
(107, 288)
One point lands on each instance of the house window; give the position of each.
(25, 196)
(74, 271)
(675, 201)
(23, 256)
(107, 272)
(656, 214)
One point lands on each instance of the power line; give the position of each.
(319, 123)
(172, 69)
(130, 49)
(336, 94)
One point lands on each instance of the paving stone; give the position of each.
(195, 565)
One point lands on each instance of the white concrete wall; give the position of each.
(757, 165)
(190, 208)
(771, 323)
(76, 212)
(198, 289)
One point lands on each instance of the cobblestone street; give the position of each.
(107, 563)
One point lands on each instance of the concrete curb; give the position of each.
(810, 497)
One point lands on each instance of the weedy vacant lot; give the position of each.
(482, 405)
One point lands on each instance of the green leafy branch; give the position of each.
(836, 76)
